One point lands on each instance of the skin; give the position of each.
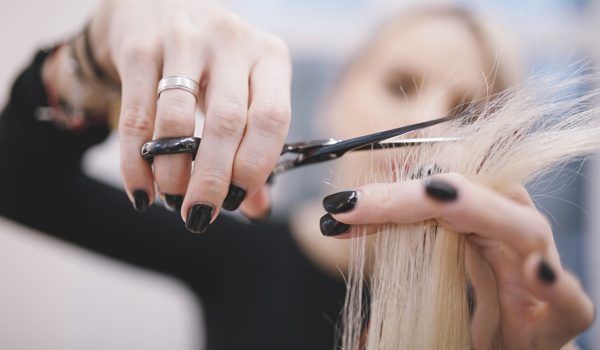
(413, 72)
(245, 78)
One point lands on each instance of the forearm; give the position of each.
(26, 137)
(77, 86)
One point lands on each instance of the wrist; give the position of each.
(96, 57)
(97, 42)
(75, 99)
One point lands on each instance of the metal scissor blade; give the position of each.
(339, 148)
(397, 141)
(306, 146)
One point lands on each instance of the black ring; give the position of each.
(171, 145)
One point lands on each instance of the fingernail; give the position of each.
(140, 200)
(234, 198)
(262, 218)
(440, 190)
(199, 218)
(173, 201)
(340, 202)
(331, 227)
(546, 273)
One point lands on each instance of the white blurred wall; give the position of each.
(55, 296)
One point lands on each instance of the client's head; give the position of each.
(423, 64)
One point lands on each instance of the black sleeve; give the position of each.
(258, 288)
(42, 186)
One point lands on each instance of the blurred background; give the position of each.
(55, 296)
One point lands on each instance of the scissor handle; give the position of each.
(178, 145)
(171, 145)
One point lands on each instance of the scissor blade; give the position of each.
(397, 142)
(338, 149)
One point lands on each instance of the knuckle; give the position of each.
(586, 311)
(540, 235)
(589, 315)
(229, 26)
(229, 121)
(181, 37)
(254, 167)
(137, 53)
(519, 194)
(136, 121)
(544, 227)
(178, 29)
(276, 45)
(273, 119)
(214, 180)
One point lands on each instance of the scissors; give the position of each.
(311, 152)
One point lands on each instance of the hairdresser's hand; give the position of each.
(541, 305)
(245, 80)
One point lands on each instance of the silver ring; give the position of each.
(178, 82)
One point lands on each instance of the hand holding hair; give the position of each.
(539, 301)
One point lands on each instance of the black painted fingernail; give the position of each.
(173, 201)
(546, 273)
(271, 179)
(340, 202)
(331, 227)
(234, 198)
(140, 200)
(199, 218)
(440, 190)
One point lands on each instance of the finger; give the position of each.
(566, 304)
(227, 106)
(175, 117)
(519, 194)
(139, 76)
(268, 122)
(454, 202)
(485, 319)
(258, 205)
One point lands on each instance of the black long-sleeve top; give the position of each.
(257, 288)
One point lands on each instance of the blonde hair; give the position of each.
(415, 274)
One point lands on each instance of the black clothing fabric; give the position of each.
(257, 288)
